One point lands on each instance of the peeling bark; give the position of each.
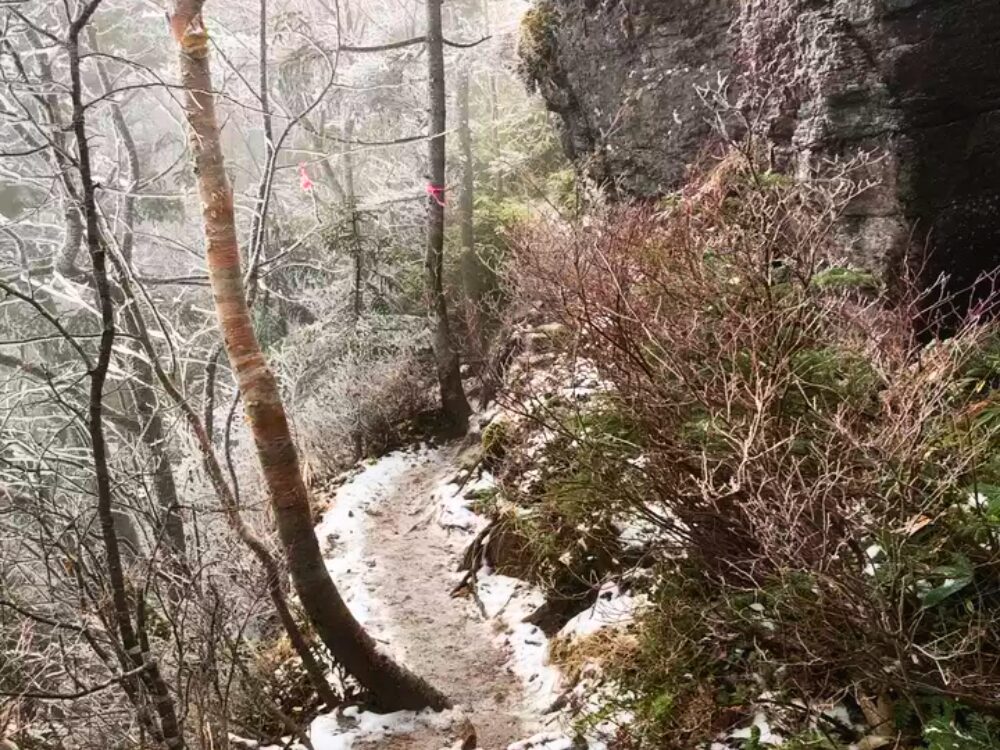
(392, 686)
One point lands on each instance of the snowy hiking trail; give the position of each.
(393, 552)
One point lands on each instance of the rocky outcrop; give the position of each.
(915, 83)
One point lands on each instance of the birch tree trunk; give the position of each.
(391, 685)
(453, 401)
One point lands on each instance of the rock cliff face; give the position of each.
(914, 82)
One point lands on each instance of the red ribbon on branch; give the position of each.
(437, 193)
(304, 181)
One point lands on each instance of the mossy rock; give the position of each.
(508, 552)
(538, 25)
(537, 42)
(827, 377)
(495, 442)
(769, 179)
(546, 338)
(483, 500)
(471, 457)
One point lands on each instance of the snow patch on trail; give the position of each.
(455, 514)
(544, 741)
(507, 601)
(613, 609)
(510, 600)
(344, 728)
(330, 732)
(342, 535)
(341, 532)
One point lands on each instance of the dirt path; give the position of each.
(410, 560)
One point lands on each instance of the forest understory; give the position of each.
(341, 410)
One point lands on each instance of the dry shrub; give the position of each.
(602, 648)
(354, 388)
(276, 695)
(831, 478)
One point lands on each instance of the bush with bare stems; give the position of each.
(369, 380)
(825, 482)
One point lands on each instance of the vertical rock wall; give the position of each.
(914, 83)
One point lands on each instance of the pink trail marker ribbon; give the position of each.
(437, 193)
(304, 180)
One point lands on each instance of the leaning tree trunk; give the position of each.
(453, 401)
(392, 685)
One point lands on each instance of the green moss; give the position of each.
(831, 376)
(680, 683)
(846, 279)
(661, 708)
(583, 484)
(538, 24)
(704, 431)
(945, 724)
(536, 46)
(775, 180)
(670, 201)
(495, 217)
(560, 187)
(483, 501)
(811, 739)
(980, 367)
(495, 440)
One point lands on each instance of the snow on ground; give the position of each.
(544, 741)
(613, 609)
(509, 601)
(506, 600)
(341, 531)
(341, 535)
(342, 729)
(454, 513)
